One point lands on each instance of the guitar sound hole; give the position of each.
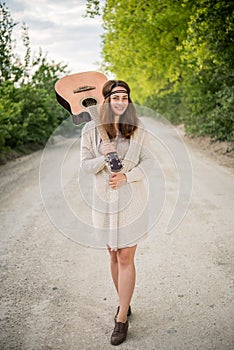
(89, 102)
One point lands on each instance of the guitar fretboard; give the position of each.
(93, 110)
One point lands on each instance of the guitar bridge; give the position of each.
(84, 88)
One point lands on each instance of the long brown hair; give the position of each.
(128, 121)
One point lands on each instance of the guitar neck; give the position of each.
(93, 110)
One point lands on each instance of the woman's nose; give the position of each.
(120, 101)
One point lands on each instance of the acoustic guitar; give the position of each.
(81, 94)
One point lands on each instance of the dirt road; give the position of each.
(56, 294)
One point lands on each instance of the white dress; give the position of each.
(120, 217)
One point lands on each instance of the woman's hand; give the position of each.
(117, 180)
(106, 148)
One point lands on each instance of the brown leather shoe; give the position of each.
(129, 312)
(119, 334)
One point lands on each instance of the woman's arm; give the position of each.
(89, 162)
(146, 162)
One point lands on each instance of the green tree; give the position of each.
(208, 86)
(7, 66)
(140, 43)
(28, 109)
(177, 56)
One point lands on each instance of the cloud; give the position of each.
(60, 30)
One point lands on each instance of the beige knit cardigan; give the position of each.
(119, 216)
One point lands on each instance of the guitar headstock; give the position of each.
(78, 91)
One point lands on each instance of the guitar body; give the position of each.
(80, 94)
(78, 91)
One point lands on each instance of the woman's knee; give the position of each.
(125, 256)
(113, 256)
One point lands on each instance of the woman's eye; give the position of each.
(116, 98)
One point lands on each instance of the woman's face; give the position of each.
(119, 101)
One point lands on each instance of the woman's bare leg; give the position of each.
(126, 280)
(114, 267)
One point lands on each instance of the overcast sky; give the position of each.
(60, 30)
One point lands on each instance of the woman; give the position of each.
(120, 199)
